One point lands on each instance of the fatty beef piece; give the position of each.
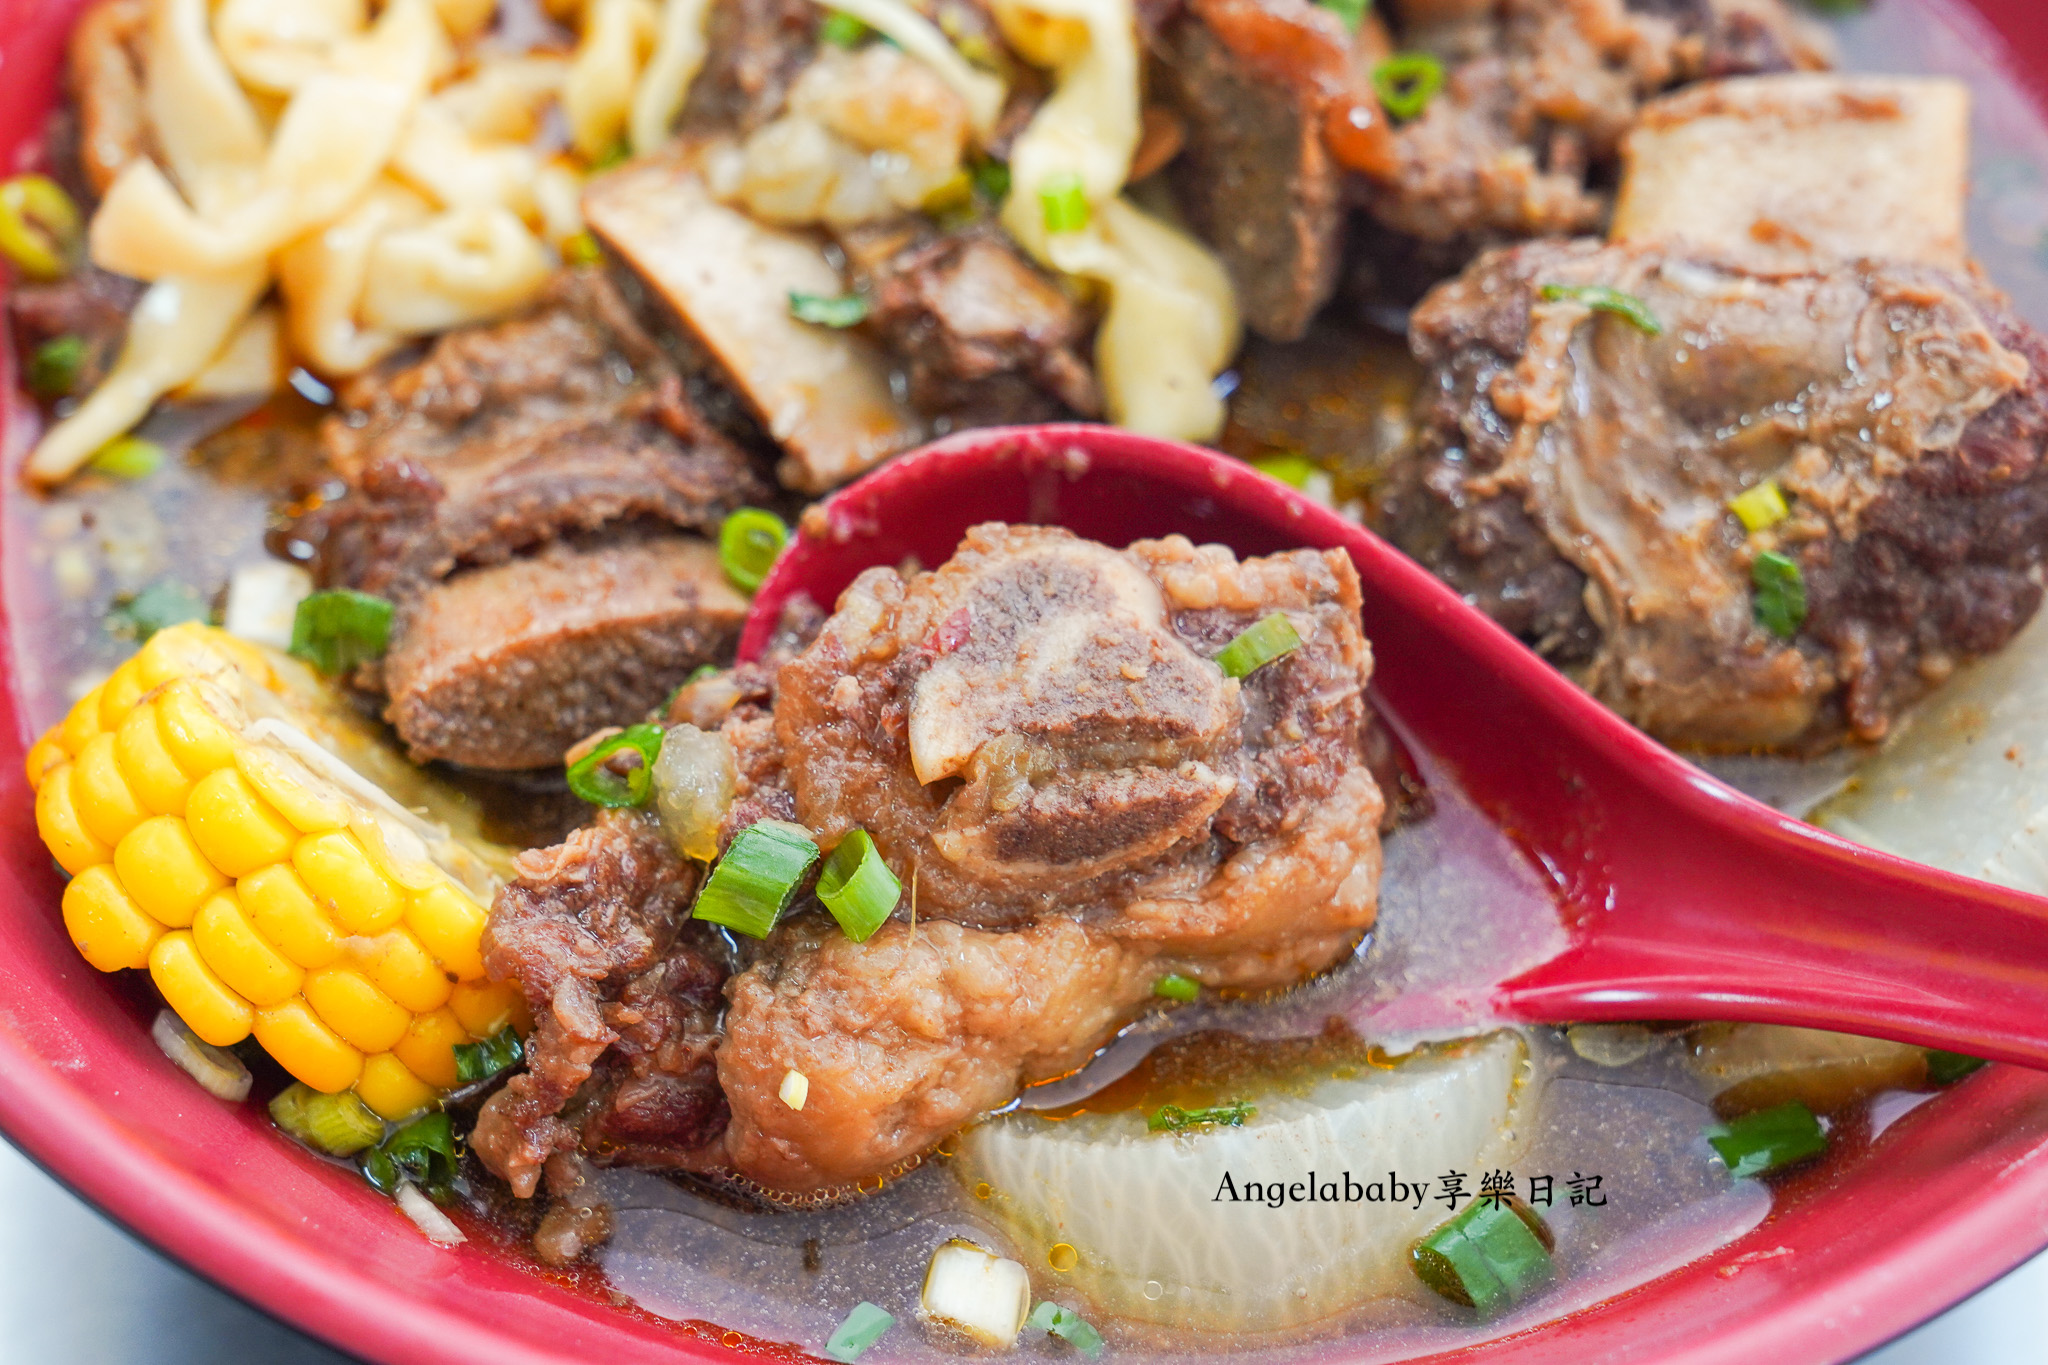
(534, 495)
(1745, 506)
(1076, 796)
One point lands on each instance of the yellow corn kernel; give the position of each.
(486, 1007)
(153, 775)
(165, 872)
(341, 876)
(310, 808)
(428, 1048)
(355, 1009)
(235, 827)
(105, 923)
(81, 723)
(284, 912)
(43, 755)
(66, 836)
(241, 956)
(402, 969)
(391, 1091)
(195, 737)
(101, 794)
(201, 999)
(307, 1048)
(451, 926)
(179, 651)
(118, 693)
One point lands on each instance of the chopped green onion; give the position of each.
(1493, 1254)
(582, 249)
(127, 457)
(1602, 299)
(858, 887)
(1258, 645)
(338, 629)
(1406, 82)
(54, 368)
(422, 1152)
(749, 542)
(155, 608)
(1768, 1139)
(593, 778)
(1352, 12)
(618, 154)
(480, 1061)
(842, 30)
(1067, 1325)
(41, 229)
(828, 310)
(1838, 6)
(1174, 986)
(1171, 1118)
(1946, 1068)
(1761, 507)
(757, 878)
(991, 178)
(1064, 201)
(1780, 601)
(863, 1328)
(339, 1125)
(1292, 469)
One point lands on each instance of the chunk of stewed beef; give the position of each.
(594, 931)
(1572, 474)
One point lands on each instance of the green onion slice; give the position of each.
(749, 542)
(1174, 986)
(1493, 1254)
(597, 779)
(858, 887)
(1602, 299)
(54, 368)
(41, 229)
(1352, 12)
(1171, 1118)
(1064, 201)
(757, 878)
(1946, 1068)
(336, 630)
(482, 1060)
(828, 310)
(1291, 468)
(339, 1125)
(155, 608)
(1768, 1139)
(1406, 82)
(422, 1152)
(128, 457)
(1067, 1325)
(1780, 601)
(1761, 507)
(1258, 645)
(582, 249)
(842, 30)
(863, 1328)
(618, 154)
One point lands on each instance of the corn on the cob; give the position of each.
(268, 888)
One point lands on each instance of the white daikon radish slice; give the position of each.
(1148, 1237)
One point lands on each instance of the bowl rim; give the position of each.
(1979, 1212)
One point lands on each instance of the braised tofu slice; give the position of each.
(1789, 169)
(507, 666)
(823, 393)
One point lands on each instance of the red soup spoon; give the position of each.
(1683, 898)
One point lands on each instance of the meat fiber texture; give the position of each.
(534, 495)
(1077, 800)
(1571, 476)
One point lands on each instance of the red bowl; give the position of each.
(1952, 1196)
